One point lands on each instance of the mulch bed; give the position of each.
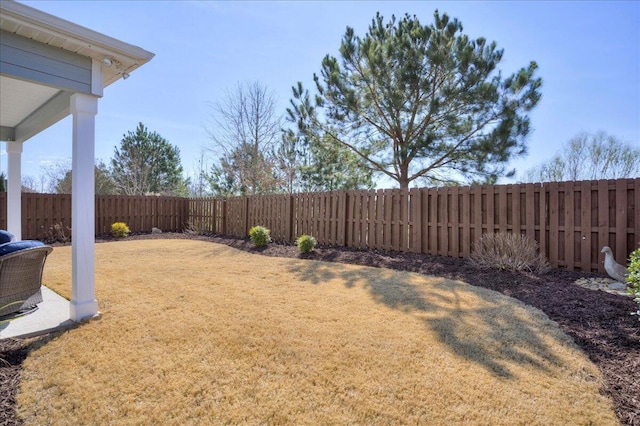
(12, 353)
(598, 322)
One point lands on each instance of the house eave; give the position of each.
(48, 29)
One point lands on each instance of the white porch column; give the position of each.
(14, 189)
(83, 302)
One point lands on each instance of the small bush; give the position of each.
(196, 227)
(634, 278)
(119, 230)
(58, 233)
(260, 236)
(306, 243)
(513, 252)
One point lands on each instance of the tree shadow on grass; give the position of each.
(481, 326)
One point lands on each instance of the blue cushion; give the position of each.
(5, 237)
(18, 245)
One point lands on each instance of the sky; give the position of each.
(588, 53)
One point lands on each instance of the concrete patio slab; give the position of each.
(52, 314)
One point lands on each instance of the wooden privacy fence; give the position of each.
(571, 221)
(42, 211)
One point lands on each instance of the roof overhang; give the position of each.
(29, 104)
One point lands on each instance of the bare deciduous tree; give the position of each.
(28, 184)
(58, 176)
(245, 132)
(589, 156)
(53, 174)
(198, 182)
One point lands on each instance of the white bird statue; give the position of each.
(614, 269)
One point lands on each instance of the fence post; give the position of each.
(466, 222)
(553, 224)
(223, 210)
(416, 220)
(454, 220)
(603, 218)
(530, 211)
(621, 221)
(342, 217)
(569, 228)
(585, 226)
(434, 207)
(516, 210)
(289, 231)
(246, 215)
(543, 207)
(502, 208)
(403, 222)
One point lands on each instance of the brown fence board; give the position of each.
(476, 192)
(529, 210)
(398, 221)
(360, 219)
(432, 204)
(445, 224)
(621, 221)
(466, 222)
(542, 219)
(553, 233)
(416, 220)
(584, 225)
(372, 221)
(490, 208)
(569, 212)
(404, 222)
(603, 214)
(502, 209)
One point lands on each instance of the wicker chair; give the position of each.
(21, 278)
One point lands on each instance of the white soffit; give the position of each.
(26, 108)
(25, 98)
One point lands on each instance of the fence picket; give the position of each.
(516, 209)
(585, 226)
(603, 213)
(621, 221)
(502, 209)
(530, 210)
(433, 221)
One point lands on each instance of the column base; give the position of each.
(84, 311)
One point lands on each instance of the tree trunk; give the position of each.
(404, 176)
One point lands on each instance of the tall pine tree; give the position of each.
(146, 163)
(414, 101)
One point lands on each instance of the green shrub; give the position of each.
(119, 230)
(513, 252)
(260, 236)
(306, 243)
(634, 278)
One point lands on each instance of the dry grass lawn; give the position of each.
(198, 333)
